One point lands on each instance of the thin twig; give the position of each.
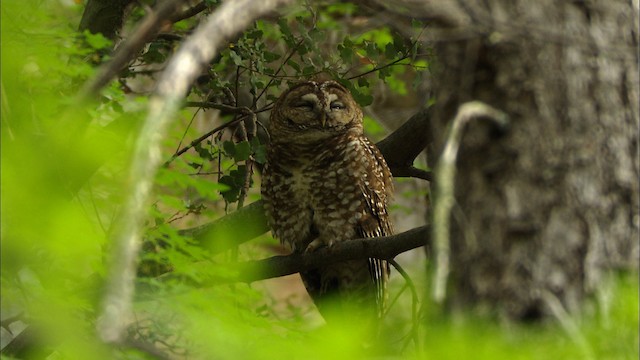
(202, 138)
(186, 130)
(284, 62)
(415, 321)
(218, 106)
(378, 68)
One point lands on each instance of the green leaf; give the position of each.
(204, 153)
(308, 70)
(294, 65)
(259, 151)
(235, 57)
(242, 151)
(254, 34)
(229, 148)
(416, 24)
(270, 56)
(233, 192)
(346, 53)
(96, 41)
(390, 51)
(287, 36)
(371, 49)
(365, 100)
(384, 73)
(342, 8)
(239, 175)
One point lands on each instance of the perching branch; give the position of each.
(386, 247)
(198, 50)
(445, 173)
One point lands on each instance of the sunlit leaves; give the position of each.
(235, 181)
(96, 41)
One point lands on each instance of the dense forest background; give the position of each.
(133, 137)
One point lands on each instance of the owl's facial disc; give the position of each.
(320, 110)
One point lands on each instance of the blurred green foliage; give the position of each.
(64, 168)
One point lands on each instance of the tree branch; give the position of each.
(403, 145)
(128, 50)
(232, 229)
(386, 247)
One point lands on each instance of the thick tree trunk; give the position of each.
(550, 205)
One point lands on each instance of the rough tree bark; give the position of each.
(551, 205)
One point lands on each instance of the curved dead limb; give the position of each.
(445, 173)
(230, 18)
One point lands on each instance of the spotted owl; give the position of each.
(325, 182)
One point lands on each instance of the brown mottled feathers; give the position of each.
(325, 182)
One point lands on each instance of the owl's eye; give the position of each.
(336, 105)
(304, 105)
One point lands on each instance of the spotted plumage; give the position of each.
(325, 182)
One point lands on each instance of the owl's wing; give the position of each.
(376, 221)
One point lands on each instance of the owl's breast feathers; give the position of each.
(334, 190)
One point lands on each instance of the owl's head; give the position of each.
(314, 111)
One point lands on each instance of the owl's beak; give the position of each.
(323, 119)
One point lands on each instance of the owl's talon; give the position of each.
(318, 243)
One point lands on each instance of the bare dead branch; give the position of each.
(445, 173)
(191, 12)
(230, 18)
